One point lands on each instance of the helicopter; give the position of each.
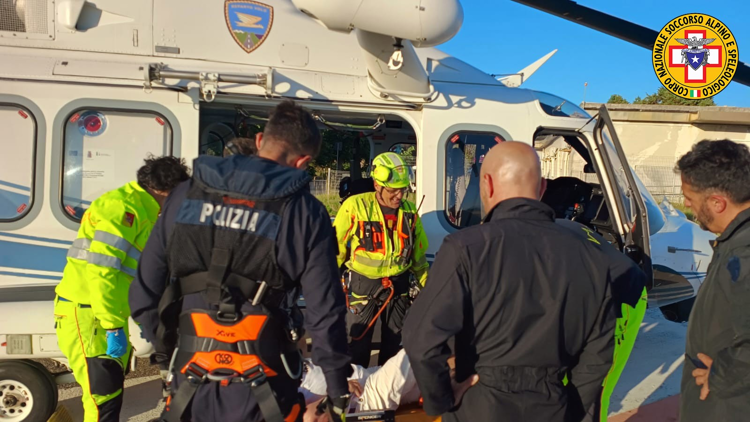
(89, 89)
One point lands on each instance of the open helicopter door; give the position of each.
(631, 219)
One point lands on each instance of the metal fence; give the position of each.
(319, 187)
(661, 181)
(329, 185)
(656, 172)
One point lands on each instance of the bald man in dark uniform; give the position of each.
(528, 301)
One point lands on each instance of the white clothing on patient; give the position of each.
(383, 387)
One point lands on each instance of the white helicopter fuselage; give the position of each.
(102, 85)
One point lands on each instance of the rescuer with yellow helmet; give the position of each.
(382, 243)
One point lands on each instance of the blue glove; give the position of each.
(140, 328)
(117, 343)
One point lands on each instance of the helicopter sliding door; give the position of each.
(630, 217)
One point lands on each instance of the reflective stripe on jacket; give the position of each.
(378, 257)
(104, 257)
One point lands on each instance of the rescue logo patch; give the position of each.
(734, 268)
(249, 22)
(128, 219)
(695, 56)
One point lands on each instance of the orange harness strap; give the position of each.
(387, 284)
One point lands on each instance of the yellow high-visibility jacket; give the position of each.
(378, 258)
(104, 257)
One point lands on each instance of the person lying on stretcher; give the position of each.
(375, 388)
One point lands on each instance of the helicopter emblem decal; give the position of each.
(249, 22)
(695, 56)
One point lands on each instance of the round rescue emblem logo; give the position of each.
(695, 56)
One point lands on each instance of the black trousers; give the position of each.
(391, 318)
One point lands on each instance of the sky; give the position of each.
(501, 36)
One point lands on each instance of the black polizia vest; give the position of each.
(248, 225)
(224, 246)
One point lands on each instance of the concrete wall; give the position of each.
(649, 132)
(654, 137)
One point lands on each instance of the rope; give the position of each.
(387, 284)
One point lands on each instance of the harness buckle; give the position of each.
(254, 376)
(227, 316)
(195, 374)
(227, 311)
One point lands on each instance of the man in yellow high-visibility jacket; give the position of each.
(385, 240)
(91, 307)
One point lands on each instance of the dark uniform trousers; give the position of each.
(391, 319)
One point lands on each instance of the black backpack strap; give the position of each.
(214, 277)
(170, 303)
(177, 403)
(269, 407)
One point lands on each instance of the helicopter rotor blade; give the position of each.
(614, 26)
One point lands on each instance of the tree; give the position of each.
(663, 96)
(327, 157)
(617, 99)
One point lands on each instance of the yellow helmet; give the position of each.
(390, 170)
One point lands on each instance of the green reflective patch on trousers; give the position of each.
(625, 334)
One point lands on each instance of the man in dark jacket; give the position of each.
(631, 300)
(281, 230)
(528, 302)
(716, 374)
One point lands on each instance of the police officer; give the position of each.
(529, 303)
(91, 307)
(237, 243)
(385, 240)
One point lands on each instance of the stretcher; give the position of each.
(414, 413)
(406, 413)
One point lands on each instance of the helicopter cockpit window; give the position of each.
(465, 152)
(620, 178)
(556, 106)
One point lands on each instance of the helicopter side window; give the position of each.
(16, 161)
(465, 152)
(103, 150)
(556, 106)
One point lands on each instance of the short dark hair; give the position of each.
(163, 173)
(722, 166)
(245, 146)
(295, 127)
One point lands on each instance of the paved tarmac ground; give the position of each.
(649, 388)
(647, 392)
(143, 400)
